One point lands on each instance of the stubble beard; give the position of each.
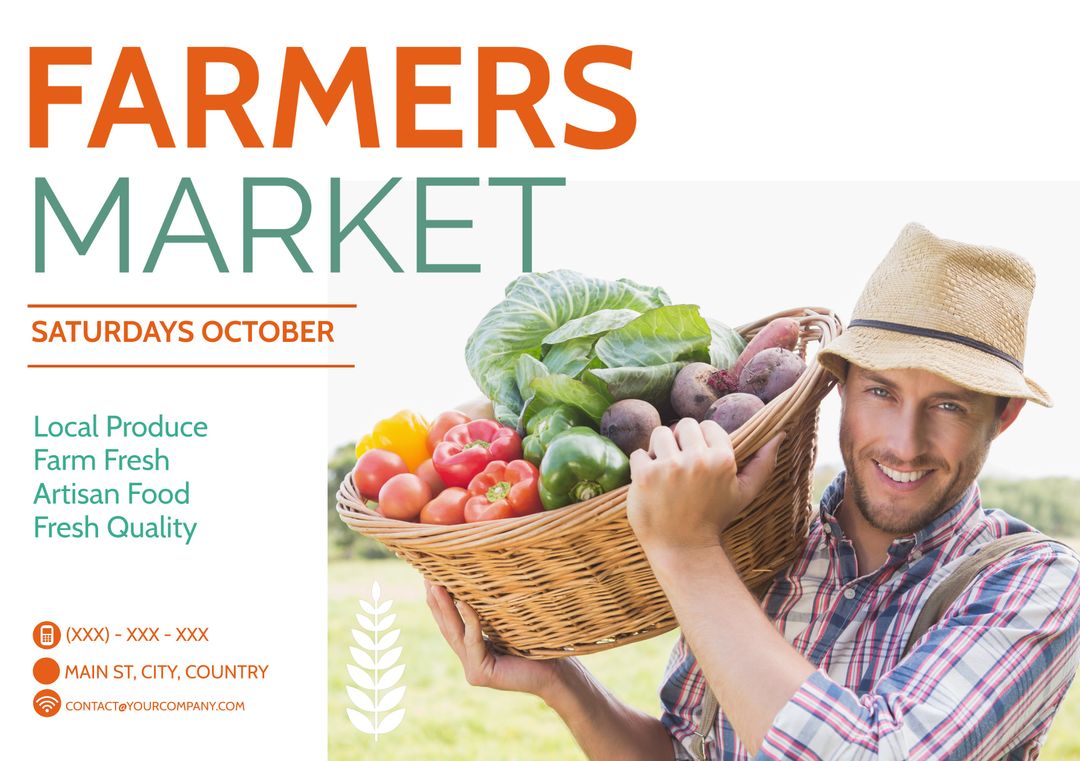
(887, 516)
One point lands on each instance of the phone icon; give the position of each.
(46, 635)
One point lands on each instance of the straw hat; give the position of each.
(957, 310)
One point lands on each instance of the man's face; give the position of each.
(912, 444)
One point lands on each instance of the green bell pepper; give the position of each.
(547, 424)
(580, 464)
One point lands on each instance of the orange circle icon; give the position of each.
(47, 703)
(46, 670)
(46, 635)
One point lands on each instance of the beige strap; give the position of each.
(709, 708)
(935, 606)
(953, 585)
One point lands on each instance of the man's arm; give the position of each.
(605, 728)
(685, 491)
(751, 669)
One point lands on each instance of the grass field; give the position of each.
(448, 720)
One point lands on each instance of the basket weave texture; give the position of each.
(575, 580)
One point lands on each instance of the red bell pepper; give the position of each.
(504, 490)
(467, 448)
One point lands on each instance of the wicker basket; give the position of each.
(575, 580)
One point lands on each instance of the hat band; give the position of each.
(940, 335)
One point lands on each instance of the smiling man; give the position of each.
(915, 624)
(912, 443)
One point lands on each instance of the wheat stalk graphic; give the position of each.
(375, 669)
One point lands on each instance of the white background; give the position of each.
(783, 91)
(740, 251)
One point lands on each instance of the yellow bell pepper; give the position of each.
(404, 434)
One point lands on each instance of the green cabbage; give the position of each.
(536, 304)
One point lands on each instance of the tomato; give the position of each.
(442, 424)
(447, 508)
(427, 472)
(404, 496)
(374, 468)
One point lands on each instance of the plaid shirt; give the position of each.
(983, 683)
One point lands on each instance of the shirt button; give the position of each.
(849, 593)
(827, 528)
(916, 554)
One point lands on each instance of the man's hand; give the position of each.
(687, 488)
(460, 626)
(605, 728)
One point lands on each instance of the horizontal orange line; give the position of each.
(130, 366)
(191, 306)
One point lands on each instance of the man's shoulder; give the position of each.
(996, 525)
(1008, 583)
(1020, 554)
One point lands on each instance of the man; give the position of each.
(930, 372)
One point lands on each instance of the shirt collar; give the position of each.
(937, 532)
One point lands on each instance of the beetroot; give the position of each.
(691, 393)
(771, 373)
(732, 410)
(724, 382)
(630, 423)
